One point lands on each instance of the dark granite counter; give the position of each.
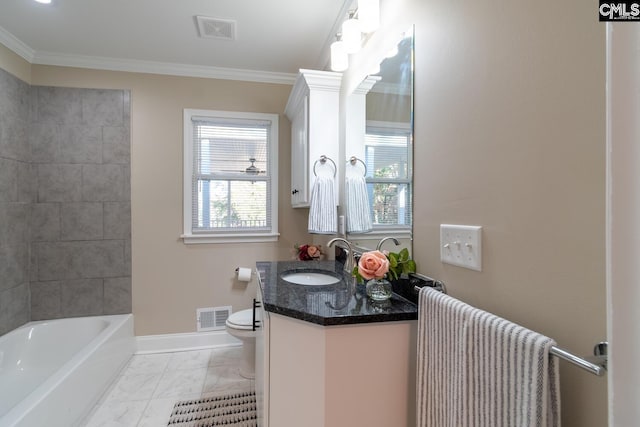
(330, 304)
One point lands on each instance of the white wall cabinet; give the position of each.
(313, 109)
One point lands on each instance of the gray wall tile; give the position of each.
(45, 222)
(15, 100)
(59, 105)
(127, 258)
(81, 221)
(81, 297)
(14, 265)
(82, 259)
(13, 138)
(59, 183)
(117, 295)
(126, 96)
(14, 308)
(50, 139)
(44, 140)
(15, 202)
(116, 146)
(107, 183)
(102, 107)
(14, 223)
(8, 180)
(80, 144)
(45, 300)
(117, 220)
(26, 182)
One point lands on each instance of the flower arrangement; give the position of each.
(308, 252)
(385, 264)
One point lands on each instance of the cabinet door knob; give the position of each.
(295, 192)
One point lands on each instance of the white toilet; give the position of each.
(240, 325)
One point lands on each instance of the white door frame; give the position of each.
(623, 222)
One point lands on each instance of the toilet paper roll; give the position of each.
(244, 274)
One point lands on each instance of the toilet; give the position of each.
(240, 325)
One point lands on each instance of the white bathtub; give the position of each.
(53, 372)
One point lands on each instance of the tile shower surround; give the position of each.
(65, 203)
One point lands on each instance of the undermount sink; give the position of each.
(309, 278)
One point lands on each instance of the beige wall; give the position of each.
(14, 64)
(510, 135)
(170, 280)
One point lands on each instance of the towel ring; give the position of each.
(353, 160)
(323, 159)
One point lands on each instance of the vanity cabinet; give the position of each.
(329, 358)
(313, 109)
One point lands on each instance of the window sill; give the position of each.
(379, 233)
(198, 239)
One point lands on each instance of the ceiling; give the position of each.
(274, 38)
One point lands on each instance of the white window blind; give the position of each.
(232, 178)
(388, 156)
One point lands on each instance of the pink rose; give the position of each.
(373, 265)
(313, 251)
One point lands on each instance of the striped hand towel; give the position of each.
(357, 208)
(507, 378)
(323, 216)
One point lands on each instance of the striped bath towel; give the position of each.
(506, 375)
(323, 215)
(357, 207)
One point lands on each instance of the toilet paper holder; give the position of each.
(241, 273)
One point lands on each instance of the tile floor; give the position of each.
(145, 391)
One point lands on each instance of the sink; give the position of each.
(309, 278)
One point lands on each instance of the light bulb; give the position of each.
(369, 15)
(351, 36)
(339, 57)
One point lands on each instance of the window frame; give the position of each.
(244, 236)
(404, 129)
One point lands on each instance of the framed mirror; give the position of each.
(386, 149)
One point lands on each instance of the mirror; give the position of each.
(388, 147)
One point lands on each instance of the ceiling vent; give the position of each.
(214, 28)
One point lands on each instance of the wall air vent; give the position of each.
(212, 318)
(215, 28)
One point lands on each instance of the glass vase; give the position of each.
(379, 289)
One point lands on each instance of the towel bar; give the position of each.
(598, 368)
(600, 350)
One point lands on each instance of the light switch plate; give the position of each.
(461, 245)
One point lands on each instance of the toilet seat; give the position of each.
(242, 320)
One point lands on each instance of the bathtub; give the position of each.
(53, 372)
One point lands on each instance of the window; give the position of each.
(230, 177)
(389, 172)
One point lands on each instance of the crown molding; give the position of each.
(151, 67)
(17, 46)
(137, 66)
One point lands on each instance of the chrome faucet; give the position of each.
(384, 239)
(350, 257)
(351, 284)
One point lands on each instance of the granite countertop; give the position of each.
(326, 305)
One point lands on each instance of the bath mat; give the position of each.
(234, 410)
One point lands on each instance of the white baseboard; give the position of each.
(183, 342)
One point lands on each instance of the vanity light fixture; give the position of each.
(351, 34)
(339, 56)
(369, 15)
(44, 1)
(350, 40)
